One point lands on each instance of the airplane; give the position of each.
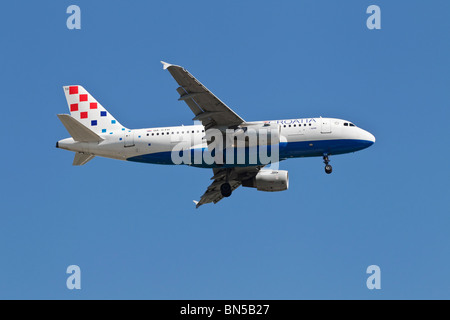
(95, 132)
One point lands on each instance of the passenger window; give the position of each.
(157, 134)
(310, 124)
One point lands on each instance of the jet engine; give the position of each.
(269, 180)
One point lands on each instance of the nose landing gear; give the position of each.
(328, 168)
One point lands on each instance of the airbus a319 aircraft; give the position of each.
(95, 132)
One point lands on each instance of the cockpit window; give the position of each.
(352, 125)
(345, 124)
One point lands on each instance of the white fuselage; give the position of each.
(306, 137)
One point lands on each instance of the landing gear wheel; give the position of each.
(225, 189)
(328, 168)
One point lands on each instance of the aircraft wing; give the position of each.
(204, 104)
(235, 177)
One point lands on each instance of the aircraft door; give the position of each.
(128, 138)
(326, 125)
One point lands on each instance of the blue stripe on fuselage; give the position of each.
(287, 150)
(320, 147)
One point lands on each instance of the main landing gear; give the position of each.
(328, 168)
(225, 189)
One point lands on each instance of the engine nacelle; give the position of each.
(269, 180)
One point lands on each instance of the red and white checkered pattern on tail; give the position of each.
(84, 108)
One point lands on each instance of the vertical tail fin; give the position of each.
(89, 112)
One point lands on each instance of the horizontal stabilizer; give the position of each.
(78, 131)
(82, 158)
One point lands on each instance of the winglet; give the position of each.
(196, 204)
(165, 65)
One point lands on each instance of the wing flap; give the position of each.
(191, 103)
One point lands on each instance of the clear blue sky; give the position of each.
(133, 229)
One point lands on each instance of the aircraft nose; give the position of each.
(366, 135)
